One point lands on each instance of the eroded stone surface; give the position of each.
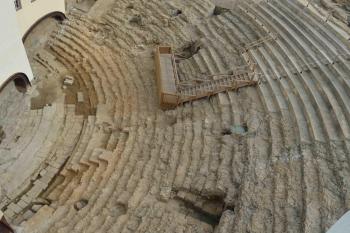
(271, 158)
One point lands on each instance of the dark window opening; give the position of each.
(21, 84)
(59, 18)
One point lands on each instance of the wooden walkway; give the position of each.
(172, 92)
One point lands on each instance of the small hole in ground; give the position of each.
(130, 6)
(136, 20)
(219, 10)
(241, 129)
(189, 50)
(80, 204)
(2, 134)
(176, 12)
(226, 132)
(229, 207)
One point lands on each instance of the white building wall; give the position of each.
(13, 57)
(32, 11)
(342, 225)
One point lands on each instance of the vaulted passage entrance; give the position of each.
(20, 80)
(21, 83)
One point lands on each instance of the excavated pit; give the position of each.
(2, 134)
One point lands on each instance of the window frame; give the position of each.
(18, 4)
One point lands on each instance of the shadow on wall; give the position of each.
(59, 16)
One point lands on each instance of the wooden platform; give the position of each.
(166, 78)
(173, 92)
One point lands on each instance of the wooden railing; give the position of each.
(172, 92)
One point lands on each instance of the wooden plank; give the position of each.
(167, 74)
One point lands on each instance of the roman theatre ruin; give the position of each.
(175, 116)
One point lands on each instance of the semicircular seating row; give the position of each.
(140, 169)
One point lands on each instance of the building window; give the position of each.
(18, 4)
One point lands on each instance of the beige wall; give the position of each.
(13, 57)
(32, 11)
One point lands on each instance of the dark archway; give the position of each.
(59, 16)
(20, 80)
(4, 225)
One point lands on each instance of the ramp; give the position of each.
(172, 92)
